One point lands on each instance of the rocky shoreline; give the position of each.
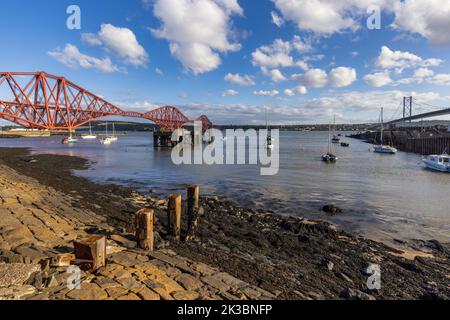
(238, 253)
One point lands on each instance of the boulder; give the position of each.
(331, 209)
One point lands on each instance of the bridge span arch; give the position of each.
(38, 100)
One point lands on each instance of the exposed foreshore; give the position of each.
(238, 253)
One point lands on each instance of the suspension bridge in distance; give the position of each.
(408, 106)
(407, 137)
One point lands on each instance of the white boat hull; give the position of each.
(385, 149)
(89, 137)
(106, 141)
(438, 163)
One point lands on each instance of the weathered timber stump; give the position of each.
(174, 216)
(193, 210)
(144, 229)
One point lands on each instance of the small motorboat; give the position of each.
(345, 144)
(329, 157)
(69, 140)
(385, 149)
(439, 163)
(336, 139)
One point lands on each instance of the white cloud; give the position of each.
(428, 18)
(423, 72)
(362, 102)
(278, 54)
(289, 92)
(313, 78)
(302, 90)
(276, 75)
(158, 71)
(400, 60)
(121, 41)
(292, 92)
(197, 30)
(354, 106)
(317, 78)
(262, 93)
(378, 79)
(73, 58)
(325, 16)
(242, 80)
(230, 93)
(91, 39)
(342, 77)
(440, 79)
(276, 19)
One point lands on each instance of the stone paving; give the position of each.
(37, 227)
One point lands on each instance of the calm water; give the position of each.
(383, 196)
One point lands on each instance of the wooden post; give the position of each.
(193, 210)
(144, 228)
(174, 215)
(91, 250)
(193, 194)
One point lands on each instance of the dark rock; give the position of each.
(35, 280)
(327, 264)
(331, 209)
(353, 294)
(434, 244)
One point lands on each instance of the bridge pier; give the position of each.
(163, 139)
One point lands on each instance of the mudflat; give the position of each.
(245, 254)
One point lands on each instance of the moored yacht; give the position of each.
(89, 136)
(439, 163)
(381, 148)
(269, 141)
(336, 138)
(329, 156)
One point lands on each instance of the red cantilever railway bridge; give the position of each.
(38, 100)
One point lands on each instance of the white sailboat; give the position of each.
(107, 139)
(113, 138)
(89, 136)
(381, 148)
(335, 138)
(269, 142)
(329, 156)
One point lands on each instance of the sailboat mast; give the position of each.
(267, 123)
(329, 139)
(382, 126)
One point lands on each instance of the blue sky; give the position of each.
(231, 58)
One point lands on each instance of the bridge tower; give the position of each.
(407, 108)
